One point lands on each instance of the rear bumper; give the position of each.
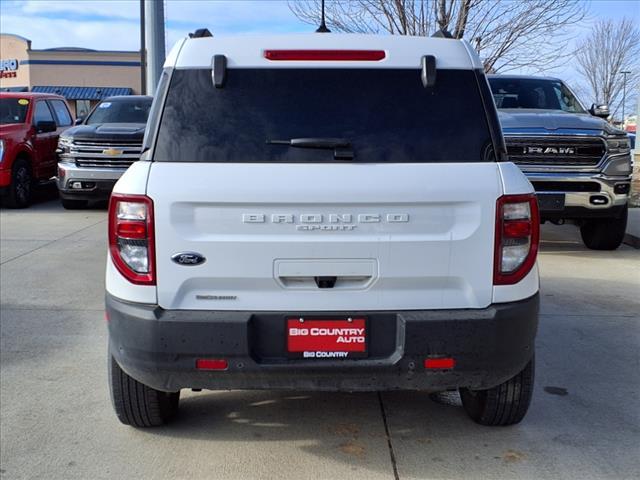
(97, 183)
(159, 348)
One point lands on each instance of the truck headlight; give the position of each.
(64, 149)
(1, 150)
(618, 145)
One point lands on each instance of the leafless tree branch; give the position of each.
(612, 47)
(508, 34)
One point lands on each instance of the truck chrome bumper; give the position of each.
(86, 183)
(583, 190)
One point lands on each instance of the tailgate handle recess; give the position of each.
(312, 274)
(325, 282)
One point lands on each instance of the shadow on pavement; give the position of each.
(435, 437)
(45, 197)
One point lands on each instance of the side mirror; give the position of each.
(45, 126)
(79, 121)
(599, 110)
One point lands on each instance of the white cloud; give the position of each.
(125, 9)
(114, 35)
(113, 25)
(235, 12)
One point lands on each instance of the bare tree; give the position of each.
(612, 48)
(508, 34)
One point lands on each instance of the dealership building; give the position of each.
(82, 76)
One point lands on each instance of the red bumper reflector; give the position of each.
(326, 55)
(211, 364)
(439, 363)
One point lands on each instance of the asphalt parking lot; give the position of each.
(56, 421)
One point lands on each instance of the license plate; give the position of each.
(327, 338)
(550, 201)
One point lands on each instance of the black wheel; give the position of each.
(21, 185)
(136, 404)
(505, 404)
(605, 233)
(74, 204)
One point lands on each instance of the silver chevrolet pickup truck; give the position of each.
(94, 154)
(578, 163)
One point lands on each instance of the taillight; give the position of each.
(517, 238)
(325, 55)
(131, 237)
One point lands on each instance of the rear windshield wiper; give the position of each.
(342, 149)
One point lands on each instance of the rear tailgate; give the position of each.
(395, 236)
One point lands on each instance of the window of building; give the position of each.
(62, 114)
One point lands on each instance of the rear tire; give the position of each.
(74, 204)
(606, 233)
(21, 185)
(136, 404)
(505, 404)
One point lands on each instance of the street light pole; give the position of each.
(143, 53)
(624, 93)
(154, 30)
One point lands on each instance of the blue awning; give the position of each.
(83, 93)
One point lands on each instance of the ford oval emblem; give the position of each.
(188, 258)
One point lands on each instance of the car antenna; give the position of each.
(323, 26)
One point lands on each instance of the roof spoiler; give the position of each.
(428, 71)
(219, 70)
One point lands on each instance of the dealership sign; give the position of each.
(9, 68)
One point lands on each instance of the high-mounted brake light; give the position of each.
(131, 237)
(325, 55)
(517, 238)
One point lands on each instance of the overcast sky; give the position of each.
(113, 25)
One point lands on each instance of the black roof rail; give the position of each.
(442, 33)
(200, 33)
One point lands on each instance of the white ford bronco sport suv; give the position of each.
(306, 216)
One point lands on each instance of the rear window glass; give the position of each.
(386, 115)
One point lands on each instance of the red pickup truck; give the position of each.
(30, 124)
